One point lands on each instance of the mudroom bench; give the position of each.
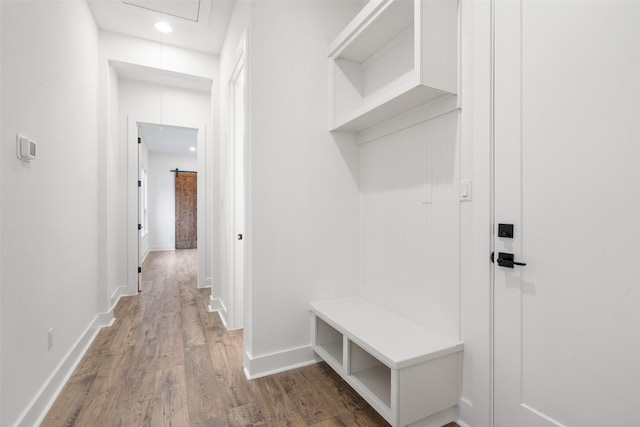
(405, 371)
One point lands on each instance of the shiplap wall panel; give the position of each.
(411, 250)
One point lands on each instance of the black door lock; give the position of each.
(506, 260)
(505, 230)
(239, 236)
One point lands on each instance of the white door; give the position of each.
(567, 176)
(237, 98)
(239, 197)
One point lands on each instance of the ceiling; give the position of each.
(197, 24)
(169, 139)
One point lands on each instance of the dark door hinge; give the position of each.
(139, 226)
(492, 260)
(139, 183)
(139, 269)
(139, 140)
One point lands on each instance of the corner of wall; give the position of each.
(269, 364)
(217, 305)
(465, 413)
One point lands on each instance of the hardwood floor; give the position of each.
(166, 361)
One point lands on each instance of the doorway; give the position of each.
(160, 150)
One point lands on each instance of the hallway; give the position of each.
(167, 361)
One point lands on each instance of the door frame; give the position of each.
(481, 89)
(236, 297)
(133, 206)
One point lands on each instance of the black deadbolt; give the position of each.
(505, 230)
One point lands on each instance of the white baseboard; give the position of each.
(119, 292)
(466, 413)
(216, 304)
(144, 256)
(437, 420)
(171, 247)
(46, 396)
(269, 364)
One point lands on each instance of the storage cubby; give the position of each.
(330, 341)
(372, 374)
(395, 55)
(405, 371)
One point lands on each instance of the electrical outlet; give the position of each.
(50, 339)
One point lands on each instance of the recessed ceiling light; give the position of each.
(192, 148)
(163, 27)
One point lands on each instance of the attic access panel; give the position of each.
(185, 9)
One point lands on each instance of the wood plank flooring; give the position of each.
(166, 361)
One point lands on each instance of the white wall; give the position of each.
(115, 48)
(303, 214)
(1, 180)
(49, 228)
(162, 197)
(411, 249)
(465, 99)
(111, 269)
(159, 103)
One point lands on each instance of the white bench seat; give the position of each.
(406, 371)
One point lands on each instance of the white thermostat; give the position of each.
(25, 148)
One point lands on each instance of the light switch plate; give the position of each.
(465, 190)
(427, 194)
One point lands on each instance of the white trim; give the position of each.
(439, 419)
(47, 395)
(144, 257)
(115, 297)
(273, 363)
(216, 304)
(162, 248)
(465, 413)
(435, 109)
(208, 282)
(481, 335)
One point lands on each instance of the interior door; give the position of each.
(140, 210)
(186, 210)
(567, 177)
(239, 197)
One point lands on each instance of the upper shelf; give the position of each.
(395, 55)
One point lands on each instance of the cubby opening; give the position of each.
(372, 374)
(360, 78)
(393, 57)
(330, 340)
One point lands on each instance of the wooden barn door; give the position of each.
(186, 210)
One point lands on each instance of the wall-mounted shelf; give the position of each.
(405, 371)
(394, 56)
